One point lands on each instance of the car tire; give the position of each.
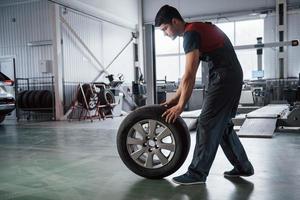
(38, 98)
(106, 97)
(30, 99)
(151, 147)
(19, 99)
(90, 96)
(25, 99)
(47, 100)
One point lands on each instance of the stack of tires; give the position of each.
(36, 100)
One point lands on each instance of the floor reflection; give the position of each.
(162, 189)
(243, 188)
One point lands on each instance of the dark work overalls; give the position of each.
(214, 125)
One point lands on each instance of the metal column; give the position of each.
(57, 61)
(281, 22)
(149, 67)
(259, 53)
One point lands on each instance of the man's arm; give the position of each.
(186, 85)
(174, 100)
(189, 77)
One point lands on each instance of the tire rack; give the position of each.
(35, 83)
(83, 108)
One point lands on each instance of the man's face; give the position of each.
(169, 30)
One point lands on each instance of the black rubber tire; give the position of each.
(47, 99)
(2, 117)
(19, 99)
(178, 129)
(25, 99)
(87, 90)
(109, 96)
(30, 99)
(106, 97)
(38, 98)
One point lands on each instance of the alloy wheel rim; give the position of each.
(150, 144)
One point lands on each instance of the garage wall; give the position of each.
(78, 64)
(32, 23)
(19, 25)
(114, 39)
(105, 41)
(270, 54)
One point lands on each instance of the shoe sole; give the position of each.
(193, 183)
(236, 176)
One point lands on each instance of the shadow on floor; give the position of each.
(243, 188)
(162, 189)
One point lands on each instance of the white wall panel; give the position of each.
(78, 63)
(20, 24)
(105, 40)
(114, 39)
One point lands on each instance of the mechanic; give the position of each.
(206, 42)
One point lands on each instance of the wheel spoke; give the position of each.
(149, 161)
(161, 157)
(138, 128)
(151, 144)
(166, 132)
(131, 140)
(152, 127)
(168, 146)
(135, 155)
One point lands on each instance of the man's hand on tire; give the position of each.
(172, 113)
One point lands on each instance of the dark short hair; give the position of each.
(166, 14)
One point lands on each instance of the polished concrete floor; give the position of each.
(79, 160)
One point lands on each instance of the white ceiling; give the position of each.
(192, 8)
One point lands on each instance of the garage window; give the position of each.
(170, 61)
(242, 33)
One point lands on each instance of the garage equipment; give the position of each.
(92, 100)
(149, 146)
(85, 102)
(263, 121)
(292, 117)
